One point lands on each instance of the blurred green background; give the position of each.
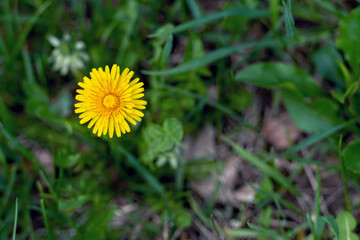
(251, 129)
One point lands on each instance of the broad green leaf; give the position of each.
(348, 39)
(325, 60)
(173, 128)
(352, 156)
(151, 132)
(262, 166)
(346, 224)
(160, 139)
(310, 117)
(276, 74)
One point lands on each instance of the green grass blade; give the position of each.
(3, 48)
(211, 57)
(5, 117)
(9, 22)
(194, 8)
(214, 226)
(150, 179)
(277, 199)
(332, 223)
(20, 41)
(147, 176)
(265, 232)
(207, 100)
(289, 20)
(47, 226)
(19, 147)
(344, 176)
(242, 233)
(133, 7)
(198, 211)
(9, 189)
(15, 220)
(317, 195)
(242, 12)
(167, 49)
(28, 66)
(312, 162)
(262, 166)
(317, 137)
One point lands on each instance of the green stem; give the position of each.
(47, 226)
(343, 176)
(15, 220)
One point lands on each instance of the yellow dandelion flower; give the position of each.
(109, 100)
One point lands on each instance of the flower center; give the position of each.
(111, 101)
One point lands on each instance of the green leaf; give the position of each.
(242, 233)
(289, 20)
(317, 137)
(6, 118)
(33, 90)
(211, 57)
(326, 63)
(262, 166)
(67, 161)
(242, 12)
(161, 139)
(68, 205)
(167, 49)
(274, 74)
(265, 231)
(182, 219)
(348, 38)
(145, 174)
(265, 217)
(347, 76)
(21, 39)
(173, 128)
(310, 117)
(346, 223)
(332, 223)
(351, 156)
(15, 220)
(194, 7)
